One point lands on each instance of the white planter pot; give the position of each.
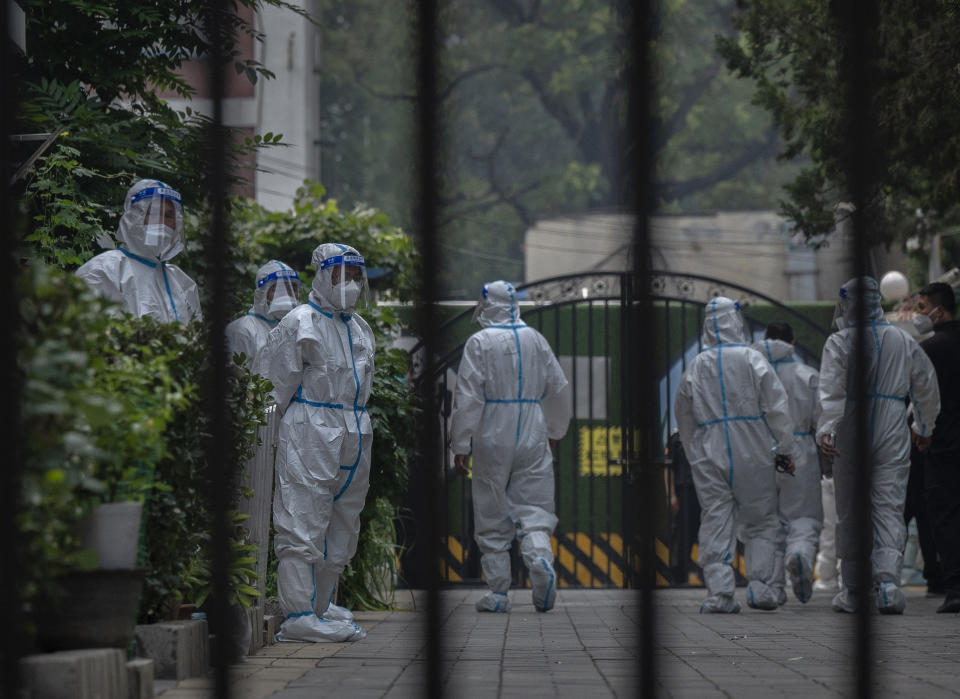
(113, 531)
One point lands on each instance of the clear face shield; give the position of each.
(160, 212)
(283, 292)
(347, 274)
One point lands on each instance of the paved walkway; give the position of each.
(585, 648)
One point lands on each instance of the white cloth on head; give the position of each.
(320, 362)
(798, 495)
(138, 275)
(896, 368)
(733, 415)
(509, 401)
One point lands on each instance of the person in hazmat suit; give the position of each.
(798, 494)
(896, 368)
(735, 425)
(509, 407)
(138, 274)
(320, 360)
(276, 294)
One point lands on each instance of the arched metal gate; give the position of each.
(580, 317)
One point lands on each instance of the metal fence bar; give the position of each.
(10, 617)
(428, 161)
(218, 257)
(642, 397)
(856, 24)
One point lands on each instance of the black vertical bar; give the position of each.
(856, 24)
(576, 471)
(219, 266)
(642, 418)
(428, 181)
(10, 618)
(558, 471)
(608, 470)
(593, 466)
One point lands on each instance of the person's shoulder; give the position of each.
(362, 323)
(105, 261)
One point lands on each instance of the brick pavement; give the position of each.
(585, 648)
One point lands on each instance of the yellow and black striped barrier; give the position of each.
(584, 561)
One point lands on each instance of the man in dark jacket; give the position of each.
(936, 308)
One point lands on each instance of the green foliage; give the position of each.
(96, 408)
(125, 49)
(792, 51)
(241, 570)
(113, 413)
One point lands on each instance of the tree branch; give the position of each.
(691, 95)
(670, 191)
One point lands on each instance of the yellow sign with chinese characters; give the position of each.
(600, 447)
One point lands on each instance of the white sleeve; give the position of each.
(557, 401)
(832, 389)
(683, 411)
(924, 391)
(102, 276)
(774, 404)
(281, 361)
(468, 399)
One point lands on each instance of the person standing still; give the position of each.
(937, 303)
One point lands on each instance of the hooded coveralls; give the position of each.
(138, 275)
(896, 368)
(248, 334)
(732, 413)
(320, 360)
(798, 496)
(508, 402)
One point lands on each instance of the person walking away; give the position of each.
(735, 425)
(320, 360)
(896, 367)
(798, 494)
(509, 406)
(138, 275)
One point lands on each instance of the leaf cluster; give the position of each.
(794, 52)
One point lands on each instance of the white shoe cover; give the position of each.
(544, 583)
(890, 599)
(822, 585)
(781, 595)
(844, 601)
(310, 628)
(801, 576)
(494, 602)
(720, 604)
(761, 596)
(337, 613)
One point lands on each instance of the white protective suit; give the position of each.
(733, 416)
(798, 496)
(896, 368)
(274, 297)
(138, 275)
(320, 360)
(508, 402)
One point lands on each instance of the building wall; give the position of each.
(287, 104)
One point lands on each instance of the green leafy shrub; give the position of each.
(112, 412)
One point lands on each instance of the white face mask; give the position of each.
(923, 323)
(159, 236)
(280, 306)
(348, 293)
